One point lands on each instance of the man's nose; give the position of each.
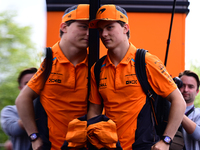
(87, 31)
(185, 88)
(104, 33)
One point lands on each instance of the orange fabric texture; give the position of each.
(103, 134)
(123, 95)
(64, 96)
(77, 134)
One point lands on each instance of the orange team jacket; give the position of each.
(122, 94)
(64, 96)
(96, 133)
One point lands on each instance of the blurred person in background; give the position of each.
(191, 120)
(10, 121)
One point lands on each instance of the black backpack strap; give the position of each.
(140, 70)
(190, 111)
(40, 113)
(160, 108)
(48, 64)
(97, 69)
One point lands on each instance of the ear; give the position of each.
(126, 28)
(197, 92)
(19, 87)
(63, 27)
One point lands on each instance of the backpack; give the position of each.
(40, 113)
(160, 107)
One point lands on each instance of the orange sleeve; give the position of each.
(158, 77)
(36, 83)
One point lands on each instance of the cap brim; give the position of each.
(94, 23)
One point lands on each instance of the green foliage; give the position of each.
(17, 52)
(196, 69)
(15, 46)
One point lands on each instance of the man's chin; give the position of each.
(84, 46)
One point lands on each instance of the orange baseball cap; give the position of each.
(109, 13)
(77, 12)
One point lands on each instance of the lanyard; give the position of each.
(189, 111)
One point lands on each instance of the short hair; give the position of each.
(122, 24)
(122, 10)
(24, 72)
(68, 24)
(191, 74)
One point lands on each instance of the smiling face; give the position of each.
(112, 34)
(77, 33)
(189, 89)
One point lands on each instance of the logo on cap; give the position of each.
(70, 16)
(121, 16)
(101, 10)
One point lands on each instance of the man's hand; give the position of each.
(161, 145)
(37, 144)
